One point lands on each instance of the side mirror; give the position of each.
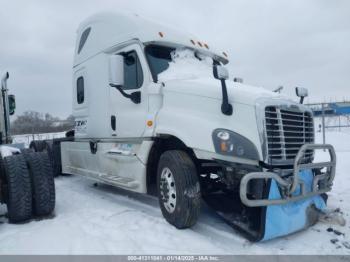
(116, 78)
(116, 70)
(220, 72)
(302, 93)
(12, 104)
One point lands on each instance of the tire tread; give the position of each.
(187, 182)
(19, 199)
(43, 184)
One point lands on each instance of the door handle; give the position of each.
(113, 122)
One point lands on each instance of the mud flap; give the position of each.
(268, 222)
(285, 219)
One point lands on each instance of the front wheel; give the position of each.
(178, 189)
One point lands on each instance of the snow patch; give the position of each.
(8, 151)
(187, 65)
(106, 220)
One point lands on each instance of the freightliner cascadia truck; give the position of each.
(156, 113)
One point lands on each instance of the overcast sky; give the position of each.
(270, 43)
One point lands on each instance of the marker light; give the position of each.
(200, 44)
(225, 54)
(206, 46)
(223, 146)
(161, 34)
(193, 42)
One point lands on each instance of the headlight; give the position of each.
(223, 135)
(230, 143)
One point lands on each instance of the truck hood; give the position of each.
(211, 88)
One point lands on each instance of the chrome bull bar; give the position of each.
(322, 183)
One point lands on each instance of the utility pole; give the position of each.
(323, 124)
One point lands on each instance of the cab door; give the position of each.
(128, 119)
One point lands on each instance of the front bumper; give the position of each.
(292, 188)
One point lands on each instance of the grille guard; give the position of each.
(322, 182)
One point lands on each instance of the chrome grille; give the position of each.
(287, 130)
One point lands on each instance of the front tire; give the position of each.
(178, 189)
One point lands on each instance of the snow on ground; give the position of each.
(103, 220)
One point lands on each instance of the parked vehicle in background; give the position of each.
(26, 179)
(154, 114)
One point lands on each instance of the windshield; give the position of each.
(168, 63)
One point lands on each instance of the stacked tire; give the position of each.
(53, 150)
(17, 188)
(43, 184)
(38, 145)
(27, 185)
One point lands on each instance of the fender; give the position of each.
(196, 136)
(192, 119)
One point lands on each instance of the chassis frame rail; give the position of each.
(322, 183)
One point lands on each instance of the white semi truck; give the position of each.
(26, 178)
(156, 113)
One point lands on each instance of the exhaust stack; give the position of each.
(5, 138)
(4, 81)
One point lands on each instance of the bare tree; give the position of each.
(31, 122)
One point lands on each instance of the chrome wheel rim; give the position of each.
(168, 190)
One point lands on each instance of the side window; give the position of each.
(80, 90)
(83, 38)
(133, 75)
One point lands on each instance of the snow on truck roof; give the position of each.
(104, 30)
